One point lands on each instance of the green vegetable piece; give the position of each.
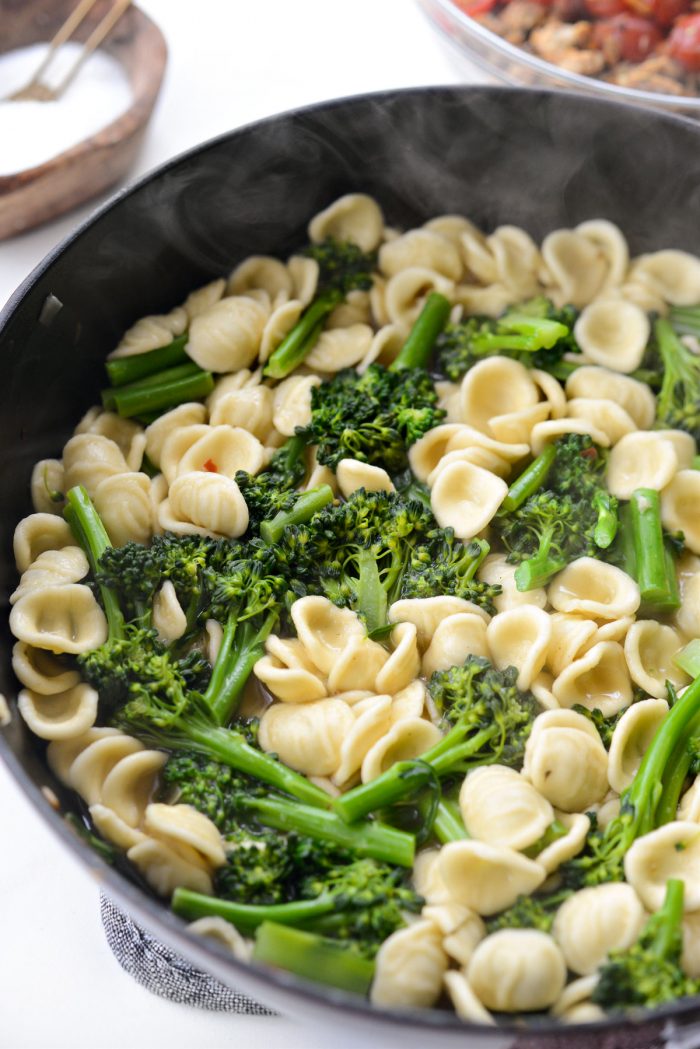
(416, 351)
(532, 478)
(305, 506)
(688, 659)
(657, 581)
(123, 371)
(649, 972)
(313, 957)
(489, 720)
(160, 392)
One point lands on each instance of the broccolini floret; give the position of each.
(487, 720)
(374, 417)
(642, 805)
(343, 267)
(566, 512)
(534, 333)
(362, 901)
(649, 972)
(530, 912)
(678, 400)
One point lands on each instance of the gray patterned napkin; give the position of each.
(165, 973)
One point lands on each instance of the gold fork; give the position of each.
(37, 89)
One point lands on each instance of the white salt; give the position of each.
(34, 132)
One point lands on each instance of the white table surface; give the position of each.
(230, 62)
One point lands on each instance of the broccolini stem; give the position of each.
(400, 779)
(673, 782)
(606, 525)
(86, 525)
(300, 341)
(448, 825)
(536, 572)
(447, 754)
(403, 778)
(421, 338)
(666, 922)
(531, 334)
(182, 371)
(173, 387)
(658, 590)
(685, 319)
(371, 595)
(125, 370)
(645, 793)
(530, 480)
(688, 658)
(371, 838)
(313, 957)
(305, 507)
(230, 748)
(248, 916)
(230, 674)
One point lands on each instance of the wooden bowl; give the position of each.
(43, 192)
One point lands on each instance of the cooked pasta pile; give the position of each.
(502, 653)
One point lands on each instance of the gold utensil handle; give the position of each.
(94, 40)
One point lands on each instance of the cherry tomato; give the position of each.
(684, 42)
(604, 8)
(474, 8)
(627, 37)
(664, 12)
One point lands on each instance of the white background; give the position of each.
(231, 61)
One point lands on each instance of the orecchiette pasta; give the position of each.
(52, 568)
(501, 807)
(613, 334)
(672, 851)
(517, 970)
(409, 968)
(36, 534)
(680, 505)
(487, 878)
(641, 460)
(566, 761)
(227, 335)
(60, 618)
(595, 921)
(206, 503)
(307, 736)
(520, 637)
(355, 217)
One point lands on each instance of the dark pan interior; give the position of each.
(532, 159)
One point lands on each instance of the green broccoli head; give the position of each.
(357, 551)
(135, 572)
(488, 716)
(444, 565)
(572, 516)
(343, 266)
(649, 972)
(374, 417)
(371, 901)
(530, 912)
(269, 867)
(122, 668)
(678, 400)
(535, 333)
(275, 489)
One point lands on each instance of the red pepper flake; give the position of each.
(589, 453)
(211, 466)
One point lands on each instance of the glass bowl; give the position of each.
(473, 44)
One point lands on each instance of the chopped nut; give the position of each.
(555, 38)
